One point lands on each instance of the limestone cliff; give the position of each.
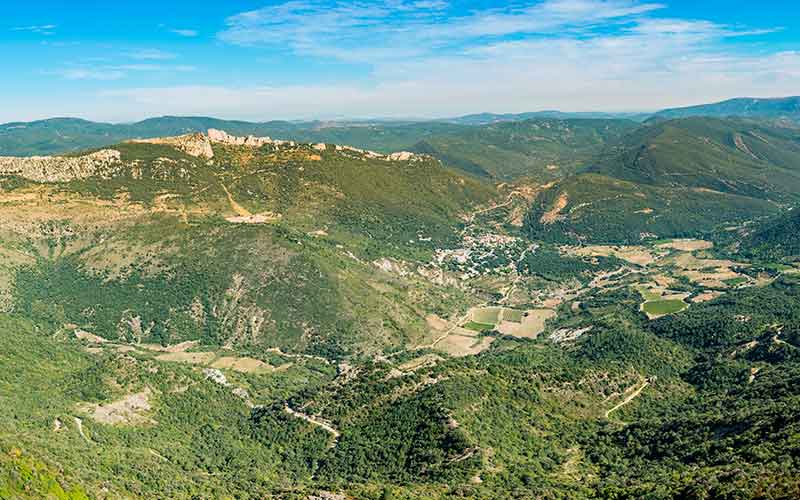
(103, 163)
(197, 144)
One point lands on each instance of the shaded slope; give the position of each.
(776, 108)
(776, 239)
(542, 148)
(732, 156)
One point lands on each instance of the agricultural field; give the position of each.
(658, 308)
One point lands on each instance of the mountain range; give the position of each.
(61, 135)
(550, 307)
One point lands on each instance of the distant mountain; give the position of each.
(775, 108)
(61, 135)
(489, 118)
(542, 148)
(676, 178)
(734, 156)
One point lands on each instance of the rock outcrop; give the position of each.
(103, 163)
(197, 145)
(222, 137)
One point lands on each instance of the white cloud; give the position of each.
(114, 72)
(40, 29)
(394, 29)
(104, 74)
(151, 55)
(425, 62)
(185, 32)
(571, 77)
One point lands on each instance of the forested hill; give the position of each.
(772, 108)
(777, 239)
(542, 148)
(735, 156)
(685, 177)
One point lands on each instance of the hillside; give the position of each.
(731, 156)
(217, 316)
(597, 208)
(240, 245)
(787, 108)
(543, 149)
(685, 177)
(775, 240)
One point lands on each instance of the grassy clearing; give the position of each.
(648, 294)
(479, 327)
(735, 281)
(663, 307)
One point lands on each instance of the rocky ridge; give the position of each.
(102, 163)
(106, 163)
(200, 145)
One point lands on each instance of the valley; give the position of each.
(242, 317)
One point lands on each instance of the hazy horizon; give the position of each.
(326, 59)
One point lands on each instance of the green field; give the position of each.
(478, 327)
(735, 281)
(661, 307)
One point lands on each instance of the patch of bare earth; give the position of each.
(437, 323)
(195, 358)
(243, 365)
(182, 347)
(130, 410)
(687, 245)
(262, 218)
(533, 323)
(634, 254)
(462, 342)
(89, 337)
(554, 214)
(705, 297)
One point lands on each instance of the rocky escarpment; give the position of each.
(107, 162)
(197, 145)
(222, 137)
(103, 163)
(200, 145)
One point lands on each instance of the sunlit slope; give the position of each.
(272, 247)
(731, 156)
(678, 178)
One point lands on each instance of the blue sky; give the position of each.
(263, 60)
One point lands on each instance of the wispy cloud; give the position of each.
(400, 28)
(151, 55)
(40, 29)
(185, 32)
(427, 58)
(103, 74)
(573, 54)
